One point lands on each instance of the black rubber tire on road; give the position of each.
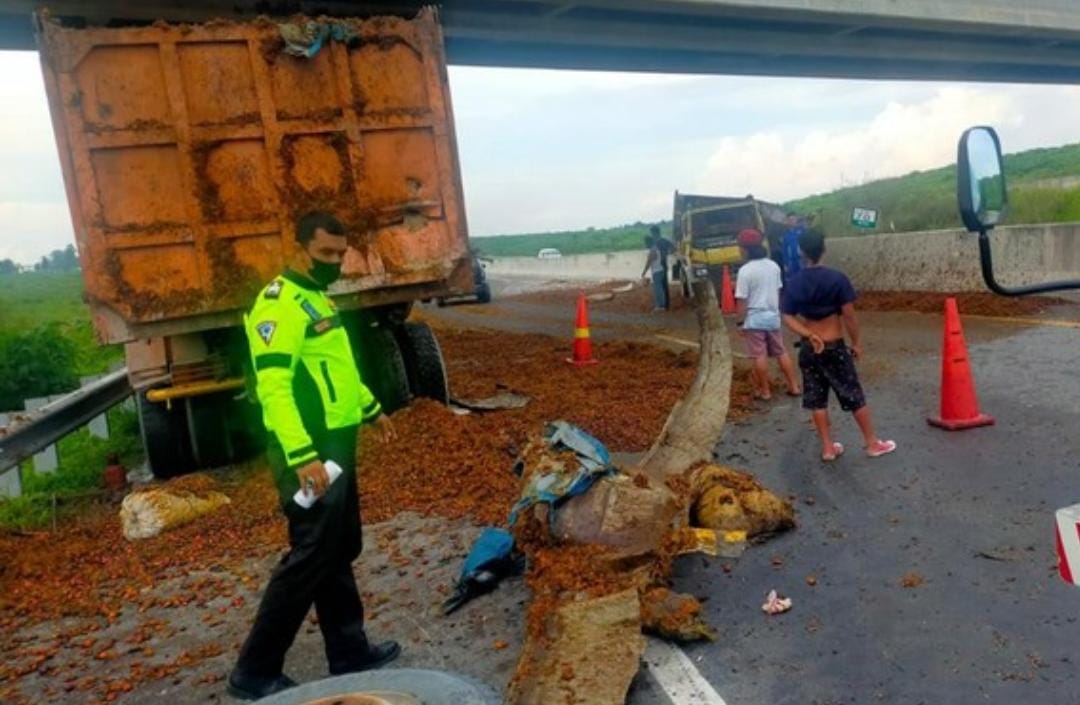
(424, 362)
(224, 429)
(165, 437)
(382, 366)
(483, 293)
(429, 687)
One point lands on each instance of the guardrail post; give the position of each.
(99, 425)
(46, 460)
(10, 481)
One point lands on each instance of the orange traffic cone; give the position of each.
(582, 343)
(727, 293)
(959, 406)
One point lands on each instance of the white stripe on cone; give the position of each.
(1068, 543)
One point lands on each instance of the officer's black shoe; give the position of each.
(376, 656)
(244, 688)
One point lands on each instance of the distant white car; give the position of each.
(549, 253)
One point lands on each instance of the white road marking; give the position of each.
(680, 341)
(1050, 322)
(677, 675)
(692, 344)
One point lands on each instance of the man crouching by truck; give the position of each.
(313, 403)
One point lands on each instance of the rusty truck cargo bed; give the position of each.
(189, 150)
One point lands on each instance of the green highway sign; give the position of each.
(864, 217)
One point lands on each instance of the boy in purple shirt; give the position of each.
(818, 305)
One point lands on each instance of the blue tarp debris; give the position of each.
(492, 556)
(307, 39)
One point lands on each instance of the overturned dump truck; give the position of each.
(188, 151)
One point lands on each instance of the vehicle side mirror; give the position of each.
(983, 200)
(980, 179)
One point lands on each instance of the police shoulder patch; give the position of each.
(274, 290)
(266, 329)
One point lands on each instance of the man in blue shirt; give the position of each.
(819, 306)
(791, 258)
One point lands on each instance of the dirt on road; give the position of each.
(638, 299)
(87, 616)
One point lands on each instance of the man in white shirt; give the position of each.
(757, 297)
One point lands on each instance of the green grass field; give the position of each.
(926, 200)
(570, 242)
(46, 343)
(35, 299)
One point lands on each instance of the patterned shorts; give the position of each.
(833, 369)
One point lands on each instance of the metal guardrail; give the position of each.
(61, 417)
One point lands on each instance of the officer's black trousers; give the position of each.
(323, 542)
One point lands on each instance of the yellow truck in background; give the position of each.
(705, 231)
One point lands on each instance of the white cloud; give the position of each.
(545, 150)
(782, 163)
(34, 217)
(778, 164)
(30, 230)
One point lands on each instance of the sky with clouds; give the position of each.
(553, 150)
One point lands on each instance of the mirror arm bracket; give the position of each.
(986, 260)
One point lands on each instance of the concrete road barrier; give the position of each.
(948, 260)
(936, 260)
(592, 267)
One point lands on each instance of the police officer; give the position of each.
(313, 402)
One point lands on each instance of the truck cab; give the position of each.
(706, 228)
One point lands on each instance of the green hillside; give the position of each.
(926, 200)
(923, 200)
(569, 242)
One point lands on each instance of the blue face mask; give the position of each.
(324, 273)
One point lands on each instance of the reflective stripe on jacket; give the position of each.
(306, 376)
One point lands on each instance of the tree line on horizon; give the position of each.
(65, 260)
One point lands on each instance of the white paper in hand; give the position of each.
(308, 499)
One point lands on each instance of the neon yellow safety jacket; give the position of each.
(306, 376)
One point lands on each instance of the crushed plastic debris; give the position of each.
(491, 558)
(566, 464)
(307, 39)
(774, 604)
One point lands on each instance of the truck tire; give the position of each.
(424, 362)
(415, 684)
(165, 437)
(483, 293)
(224, 429)
(382, 366)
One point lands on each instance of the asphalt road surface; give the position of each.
(966, 518)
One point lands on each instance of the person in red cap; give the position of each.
(757, 301)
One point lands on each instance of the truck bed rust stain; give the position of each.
(185, 197)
